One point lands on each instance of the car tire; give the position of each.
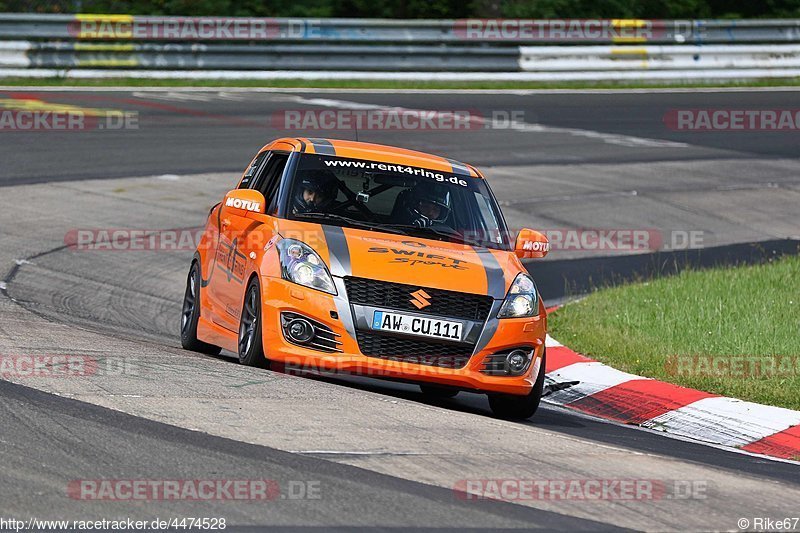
(434, 391)
(513, 407)
(250, 341)
(190, 315)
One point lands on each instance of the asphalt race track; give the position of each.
(378, 455)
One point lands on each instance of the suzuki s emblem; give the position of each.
(420, 299)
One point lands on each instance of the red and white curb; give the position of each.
(602, 391)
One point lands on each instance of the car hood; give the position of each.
(408, 260)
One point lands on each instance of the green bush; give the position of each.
(649, 9)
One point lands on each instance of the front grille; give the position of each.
(413, 351)
(398, 296)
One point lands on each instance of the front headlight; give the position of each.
(522, 299)
(300, 264)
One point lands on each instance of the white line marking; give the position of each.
(174, 96)
(182, 96)
(231, 95)
(569, 197)
(342, 104)
(150, 95)
(357, 452)
(522, 127)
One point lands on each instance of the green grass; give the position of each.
(379, 84)
(723, 315)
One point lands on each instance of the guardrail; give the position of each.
(74, 55)
(649, 58)
(215, 47)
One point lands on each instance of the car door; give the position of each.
(216, 261)
(240, 234)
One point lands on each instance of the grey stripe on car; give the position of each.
(459, 168)
(340, 266)
(323, 146)
(339, 251)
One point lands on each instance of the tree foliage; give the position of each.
(433, 9)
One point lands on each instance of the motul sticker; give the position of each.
(247, 205)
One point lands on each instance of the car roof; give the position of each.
(372, 152)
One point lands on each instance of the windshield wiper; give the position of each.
(351, 222)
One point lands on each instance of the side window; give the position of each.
(251, 170)
(270, 178)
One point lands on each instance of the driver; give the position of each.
(315, 191)
(428, 204)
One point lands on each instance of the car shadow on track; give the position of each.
(569, 423)
(465, 402)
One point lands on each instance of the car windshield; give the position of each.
(396, 198)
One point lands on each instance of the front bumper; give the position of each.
(336, 313)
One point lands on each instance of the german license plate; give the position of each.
(415, 325)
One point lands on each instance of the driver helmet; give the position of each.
(315, 191)
(429, 204)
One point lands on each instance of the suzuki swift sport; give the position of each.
(340, 256)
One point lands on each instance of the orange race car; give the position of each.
(353, 257)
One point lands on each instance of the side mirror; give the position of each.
(242, 201)
(531, 244)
